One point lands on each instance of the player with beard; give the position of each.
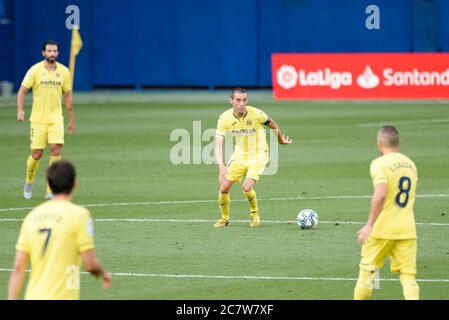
(48, 79)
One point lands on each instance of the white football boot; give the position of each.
(28, 190)
(48, 196)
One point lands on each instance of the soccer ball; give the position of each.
(307, 219)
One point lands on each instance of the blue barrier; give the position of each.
(220, 43)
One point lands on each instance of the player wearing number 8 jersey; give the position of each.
(56, 237)
(391, 229)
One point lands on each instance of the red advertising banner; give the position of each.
(360, 76)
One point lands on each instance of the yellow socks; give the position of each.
(223, 201)
(252, 199)
(364, 288)
(32, 166)
(409, 287)
(52, 159)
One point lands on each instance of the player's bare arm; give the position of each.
(282, 139)
(377, 203)
(219, 158)
(17, 275)
(21, 103)
(68, 102)
(93, 266)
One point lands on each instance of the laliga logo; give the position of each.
(368, 80)
(287, 77)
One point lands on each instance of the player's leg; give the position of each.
(235, 171)
(403, 260)
(410, 287)
(56, 142)
(224, 202)
(373, 256)
(251, 196)
(38, 140)
(55, 155)
(254, 172)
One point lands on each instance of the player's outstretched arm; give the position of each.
(68, 102)
(218, 151)
(93, 266)
(282, 139)
(17, 275)
(377, 203)
(21, 103)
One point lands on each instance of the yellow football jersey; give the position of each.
(47, 89)
(396, 220)
(248, 132)
(54, 235)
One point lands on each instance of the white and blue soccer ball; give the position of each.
(307, 219)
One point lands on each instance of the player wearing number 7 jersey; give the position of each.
(56, 237)
(391, 229)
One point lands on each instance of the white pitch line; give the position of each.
(244, 221)
(241, 277)
(214, 201)
(233, 221)
(376, 124)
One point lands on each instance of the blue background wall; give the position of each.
(209, 43)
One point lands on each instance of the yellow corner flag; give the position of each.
(75, 47)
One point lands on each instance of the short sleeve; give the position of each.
(221, 127)
(29, 79)
(23, 243)
(67, 82)
(263, 117)
(377, 173)
(85, 232)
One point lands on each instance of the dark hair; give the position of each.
(52, 42)
(61, 177)
(238, 89)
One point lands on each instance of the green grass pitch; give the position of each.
(122, 154)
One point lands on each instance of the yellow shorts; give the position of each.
(41, 134)
(401, 252)
(237, 169)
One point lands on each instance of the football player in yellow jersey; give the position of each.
(48, 79)
(390, 230)
(56, 237)
(250, 154)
